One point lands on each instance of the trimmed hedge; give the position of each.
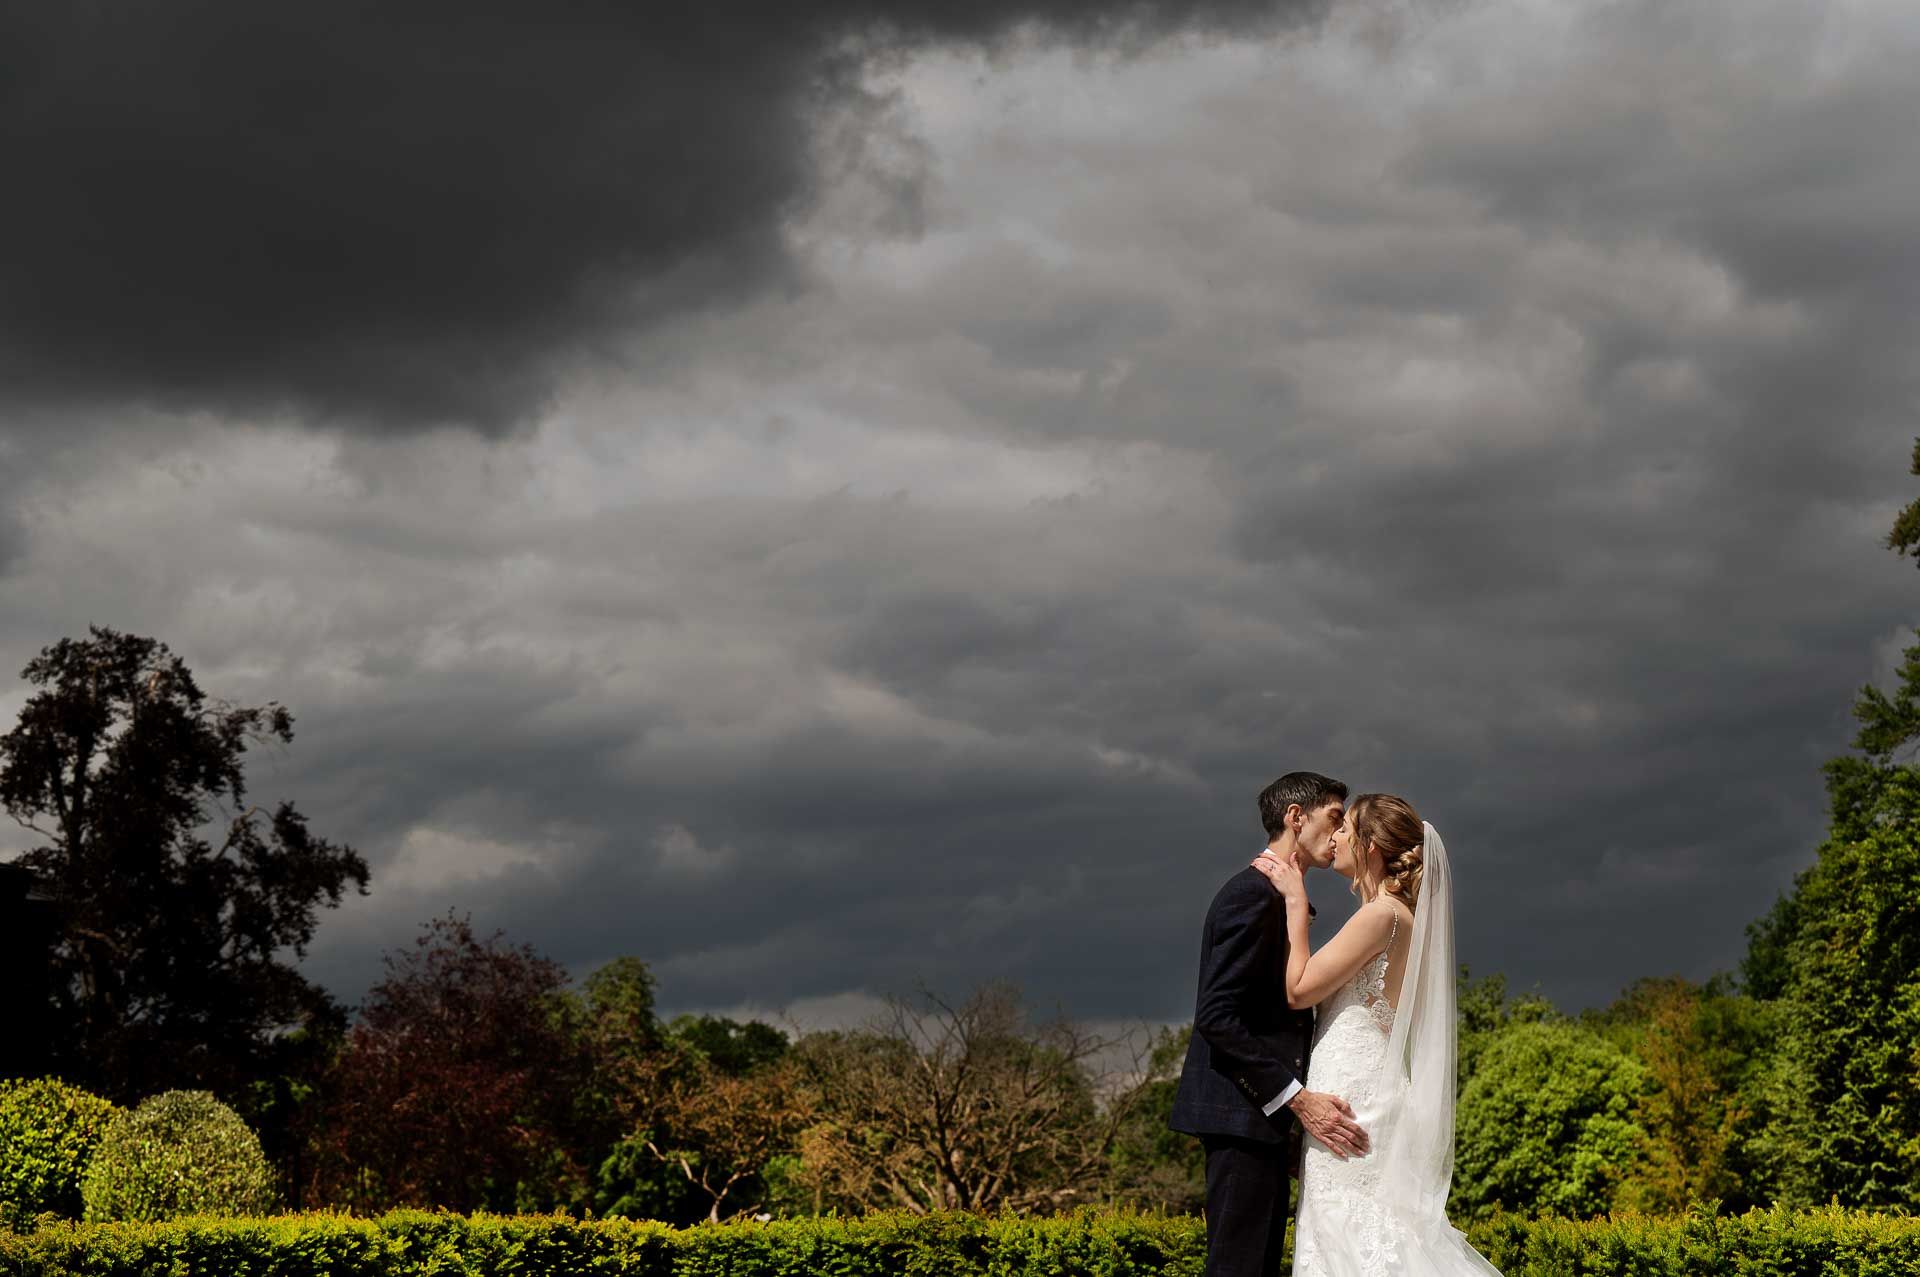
(48, 1132)
(420, 1244)
(410, 1243)
(1760, 1243)
(179, 1153)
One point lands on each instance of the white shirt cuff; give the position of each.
(1274, 1105)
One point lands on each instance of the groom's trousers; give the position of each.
(1248, 1201)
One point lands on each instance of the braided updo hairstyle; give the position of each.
(1393, 826)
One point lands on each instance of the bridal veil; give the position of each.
(1416, 1082)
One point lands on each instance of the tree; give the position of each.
(719, 1129)
(622, 1039)
(616, 1016)
(1904, 539)
(1843, 1079)
(1547, 1123)
(733, 1047)
(704, 1104)
(1841, 952)
(456, 1086)
(1152, 1166)
(281, 1100)
(1704, 1049)
(617, 1035)
(1485, 1010)
(178, 903)
(969, 1107)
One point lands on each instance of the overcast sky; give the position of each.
(828, 505)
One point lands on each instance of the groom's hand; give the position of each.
(1329, 1119)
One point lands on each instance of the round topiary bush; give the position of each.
(48, 1132)
(179, 1153)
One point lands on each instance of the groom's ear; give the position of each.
(1295, 814)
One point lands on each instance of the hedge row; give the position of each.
(1776, 1243)
(413, 1243)
(418, 1244)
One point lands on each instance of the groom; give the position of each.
(1241, 1089)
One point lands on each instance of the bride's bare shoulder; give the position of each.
(1398, 912)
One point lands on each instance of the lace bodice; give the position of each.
(1369, 988)
(1350, 1033)
(1363, 998)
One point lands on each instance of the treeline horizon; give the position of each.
(478, 1075)
(168, 914)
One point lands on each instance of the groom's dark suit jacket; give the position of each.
(1247, 1045)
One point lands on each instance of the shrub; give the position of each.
(179, 1153)
(1547, 1124)
(1085, 1244)
(48, 1131)
(1779, 1243)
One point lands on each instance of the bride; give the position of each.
(1384, 1042)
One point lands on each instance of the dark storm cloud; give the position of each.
(1504, 409)
(427, 213)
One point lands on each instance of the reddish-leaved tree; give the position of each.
(455, 1087)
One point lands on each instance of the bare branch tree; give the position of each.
(973, 1106)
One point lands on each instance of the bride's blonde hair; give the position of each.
(1392, 826)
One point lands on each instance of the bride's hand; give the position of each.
(1284, 873)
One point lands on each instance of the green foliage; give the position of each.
(650, 1092)
(614, 1011)
(732, 1047)
(405, 1243)
(1845, 1082)
(1485, 1010)
(632, 1183)
(179, 1153)
(1778, 1243)
(622, 1039)
(1841, 954)
(1547, 1123)
(48, 1133)
(1768, 968)
(1706, 1050)
(1905, 535)
(1085, 1244)
(789, 1192)
(282, 1103)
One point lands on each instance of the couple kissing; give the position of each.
(1334, 1064)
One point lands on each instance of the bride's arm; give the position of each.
(1312, 976)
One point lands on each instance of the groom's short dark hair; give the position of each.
(1310, 790)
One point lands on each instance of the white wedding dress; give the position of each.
(1384, 1214)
